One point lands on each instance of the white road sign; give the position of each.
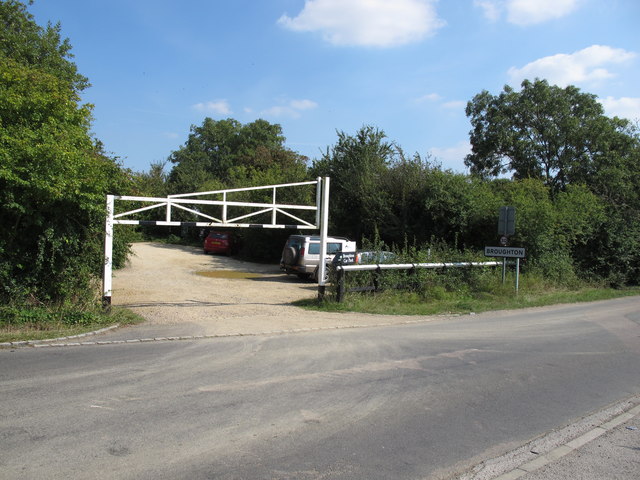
(511, 252)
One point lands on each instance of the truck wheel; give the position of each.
(326, 274)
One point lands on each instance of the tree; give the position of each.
(404, 182)
(152, 183)
(28, 44)
(53, 176)
(226, 151)
(559, 135)
(357, 166)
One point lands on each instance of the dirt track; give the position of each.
(162, 285)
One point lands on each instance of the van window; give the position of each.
(294, 242)
(332, 247)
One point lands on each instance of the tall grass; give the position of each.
(37, 322)
(456, 290)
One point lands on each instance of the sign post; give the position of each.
(506, 228)
(507, 252)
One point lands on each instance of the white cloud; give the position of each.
(452, 157)
(624, 107)
(434, 98)
(455, 105)
(583, 66)
(527, 12)
(430, 97)
(377, 23)
(220, 107)
(291, 109)
(492, 9)
(303, 104)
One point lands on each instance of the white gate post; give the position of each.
(108, 254)
(318, 200)
(324, 226)
(273, 202)
(224, 207)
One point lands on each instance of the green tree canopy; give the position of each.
(559, 135)
(225, 151)
(357, 166)
(53, 175)
(25, 42)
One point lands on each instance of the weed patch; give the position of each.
(40, 322)
(439, 300)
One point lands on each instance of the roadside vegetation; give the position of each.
(570, 171)
(444, 303)
(20, 323)
(464, 299)
(456, 290)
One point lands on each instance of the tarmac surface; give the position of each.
(604, 445)
(607, 450)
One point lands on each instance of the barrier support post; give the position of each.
(504, 270)
(108, 255)
(324, 226)
(341, 286)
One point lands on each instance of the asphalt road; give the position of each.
(404, 402)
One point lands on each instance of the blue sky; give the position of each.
(315, 67)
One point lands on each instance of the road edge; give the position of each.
(553, 446)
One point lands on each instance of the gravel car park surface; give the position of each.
(173, 285)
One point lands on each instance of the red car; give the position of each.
(219, 242)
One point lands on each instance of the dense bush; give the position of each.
(53, 176)
(576, 193)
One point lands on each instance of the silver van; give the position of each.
(301, 254)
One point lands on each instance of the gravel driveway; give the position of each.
(166, 284)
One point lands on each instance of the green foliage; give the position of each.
(613, 252)
(425, 283)
(534, 292)
(21, 317)
(559, 135)
(458, 209)
(225, 154)
(357, 166)
(230, 153)
(552, 229)
(589, 162)
(454, 290)
(28, 44)
(53, 177)
(576, 217)
(20, 322)
(152, 183)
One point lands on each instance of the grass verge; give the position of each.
(41, 323)
(411, 303)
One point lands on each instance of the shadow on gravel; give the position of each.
(183, 248)
(282, 278)
(196, 303)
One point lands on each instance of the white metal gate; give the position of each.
(189, 201)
